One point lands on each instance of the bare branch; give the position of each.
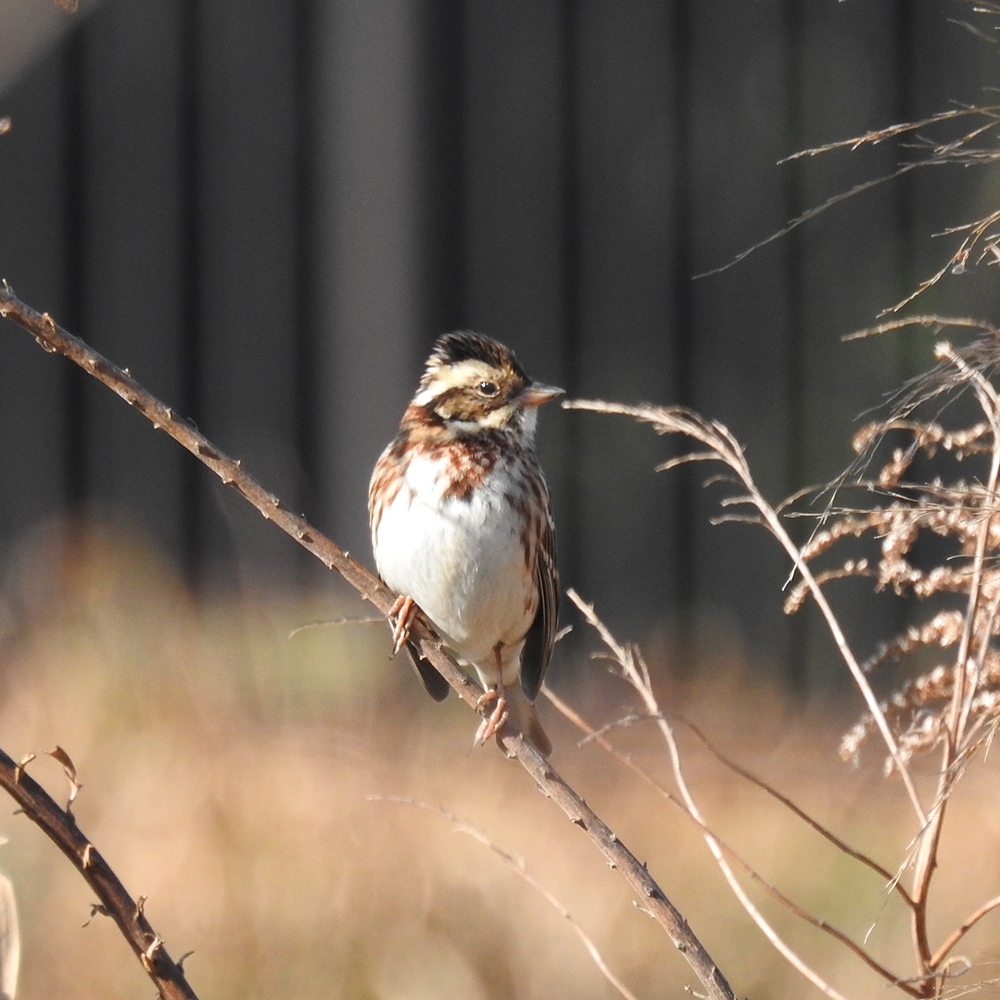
(60, 827)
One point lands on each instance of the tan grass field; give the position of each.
(227, 770)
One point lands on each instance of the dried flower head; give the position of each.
(957, 504)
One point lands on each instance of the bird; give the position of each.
(462, 527)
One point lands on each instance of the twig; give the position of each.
(53, 338)
(879, 135)
(60, 827)
(829, 835)
(931, 319)
(811, 213)
(959, 932)
(516, 865)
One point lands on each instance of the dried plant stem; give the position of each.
(859, 950)
(959, 932)
(723, 447)
(52, 338)
(845, 848)
(956, 151)
(637, 676)
(60, 826)
(958, 716)
(932, 319)
(966, 680)
(516, 865)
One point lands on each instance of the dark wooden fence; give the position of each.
(268, 209)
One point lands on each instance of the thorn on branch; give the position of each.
(149, 955)
(21, 765)
(69, 769)
(41, 341)
(95, 909)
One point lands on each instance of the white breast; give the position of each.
(462, 561)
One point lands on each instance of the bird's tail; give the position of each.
(524, 716)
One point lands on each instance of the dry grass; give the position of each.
(227, 771)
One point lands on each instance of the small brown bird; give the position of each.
(461, 525)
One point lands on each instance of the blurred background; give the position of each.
(267, 211)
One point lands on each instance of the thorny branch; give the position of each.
(54, 339)
(60, 827)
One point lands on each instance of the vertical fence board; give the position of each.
(269, 211)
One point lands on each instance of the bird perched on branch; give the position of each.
(461, 526)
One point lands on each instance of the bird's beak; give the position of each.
(536, 394)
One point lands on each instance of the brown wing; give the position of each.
(541, 635)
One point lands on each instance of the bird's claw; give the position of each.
(401, 614)
(494, 722)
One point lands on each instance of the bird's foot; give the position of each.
(401, 615)
(494, 722)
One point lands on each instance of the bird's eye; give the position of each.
(488, 388)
